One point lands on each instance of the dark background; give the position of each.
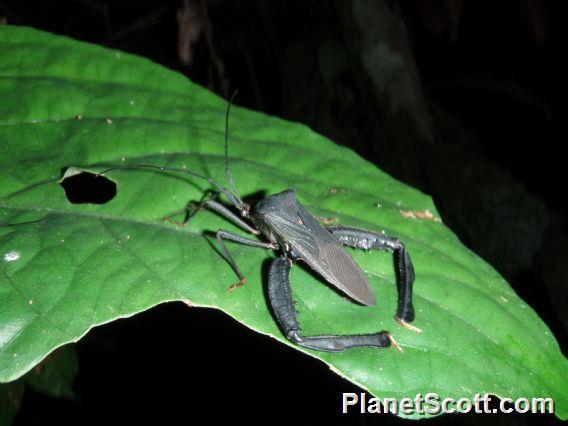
(464, 100)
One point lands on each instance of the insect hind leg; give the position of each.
(280, 295)
(368, 240)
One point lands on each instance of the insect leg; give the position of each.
(208, 202)
(280, 295)
(193, 208)
(225, 212)
(368, 240)
(223, 235)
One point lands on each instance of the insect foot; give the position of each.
(395, 343)
(241, 283)
(408, 326)
(175, 222)
(326, 220)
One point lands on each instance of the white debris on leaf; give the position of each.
(12, 256)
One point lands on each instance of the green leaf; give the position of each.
(69, 267)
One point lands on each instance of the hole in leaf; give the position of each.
(83, 187)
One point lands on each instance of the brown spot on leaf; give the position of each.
(416, 214)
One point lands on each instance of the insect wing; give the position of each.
(324, 253)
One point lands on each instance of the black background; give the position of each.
(490, 81)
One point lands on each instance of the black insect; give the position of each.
(296, 234)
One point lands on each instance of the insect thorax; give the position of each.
(284, 204)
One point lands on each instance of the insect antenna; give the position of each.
(234, 197)
(227, 168)
(236, 201)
